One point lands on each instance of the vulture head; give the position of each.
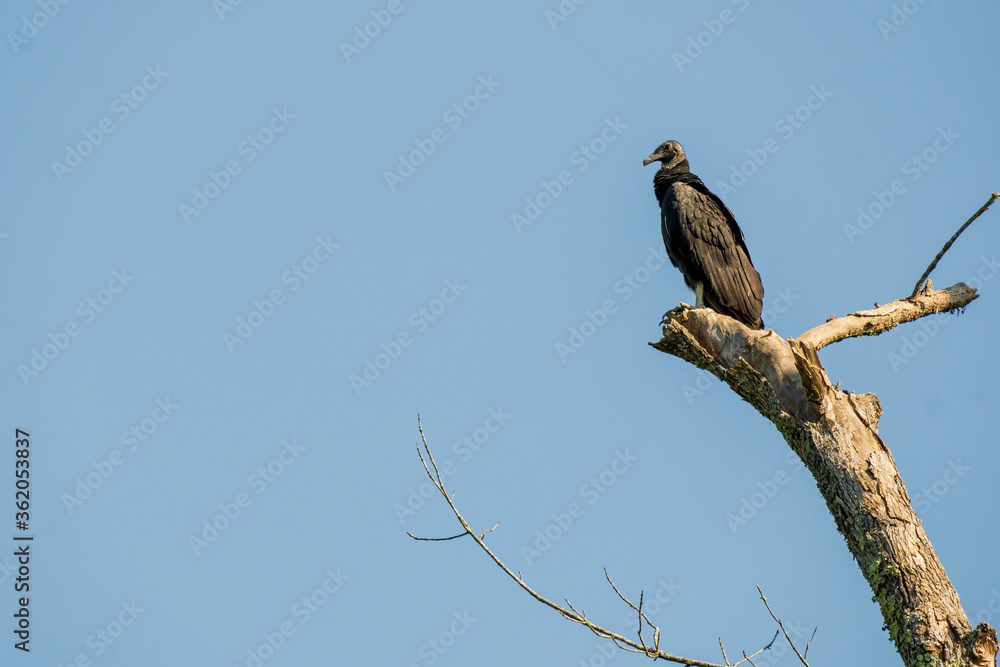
(670, 153)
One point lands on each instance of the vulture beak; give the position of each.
(651, 158)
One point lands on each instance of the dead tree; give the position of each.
(835, 434)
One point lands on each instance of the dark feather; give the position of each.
(703, 240)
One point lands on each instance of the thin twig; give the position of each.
(436, 539)
(630, 603)
(641, 641)
(782, 626)
(571, 613)
(947, 245)
(483, 534)
(724, 657)
(806, 651)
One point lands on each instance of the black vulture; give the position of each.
(704, 241)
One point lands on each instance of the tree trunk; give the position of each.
(835, 433)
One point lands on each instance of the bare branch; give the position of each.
(483, 534)
(571, 613)
(724, 657)
(805, 653)
(835, 434)
(916, 288)
(782, 626)
(439, 483)
(436, 539)
(638, 609)
(890, 315)
(640, 623)
(921, 302)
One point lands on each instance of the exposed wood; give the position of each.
(982, 209)
(889, 316)
(835, 433)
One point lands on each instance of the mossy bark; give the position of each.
(835, 433)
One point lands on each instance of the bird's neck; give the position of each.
(667, 175)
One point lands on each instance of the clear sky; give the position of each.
(245, 244)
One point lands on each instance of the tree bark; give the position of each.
(835, 433)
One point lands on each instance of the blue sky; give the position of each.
(246, 244)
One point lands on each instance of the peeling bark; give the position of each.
(835, 433)
(882, 318)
